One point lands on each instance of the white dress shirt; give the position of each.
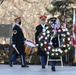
(43, 26)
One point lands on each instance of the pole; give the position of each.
(59, 40)
(66, 55)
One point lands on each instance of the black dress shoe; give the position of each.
(43, 67)
(24, 66)
(10, 64)
(53, 69)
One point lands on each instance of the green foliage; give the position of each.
(62, 7)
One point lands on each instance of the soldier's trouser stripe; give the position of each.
(22, 59)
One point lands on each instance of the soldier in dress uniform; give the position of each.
(55, 43)
(18, 43)
(41, 53)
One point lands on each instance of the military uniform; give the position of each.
(40, 52)
(18, 41)
(55, 43)
(38, 31)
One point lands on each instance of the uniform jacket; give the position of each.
(55, 42)
(18, 39)
(38, 31)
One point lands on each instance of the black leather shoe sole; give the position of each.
(53, 69)
(25, 66)
(10, 64)
(43, 67)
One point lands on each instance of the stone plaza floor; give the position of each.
(36, 70)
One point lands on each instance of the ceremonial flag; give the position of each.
(74, 29)
(57, 23)
(74, 33)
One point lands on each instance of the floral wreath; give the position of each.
(47, 34)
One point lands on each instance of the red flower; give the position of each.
(51, 50)
(46, 46)
(58, 52)
(75, 29)
(73, 41)
(60, 29)
(40, 34)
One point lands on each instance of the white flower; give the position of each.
(68, 33)
(64, 35)
(62, 26)
(44, 34)
(63, 39)
(47, 27)
(46, 38)
(45, 42)
(64, 45)
(49, 47)
(59, 30)
(41, 44)
(61, 51)
(56, 49)
(48, 32)
(44, 30)
(52, 54)
(69, 48)
(65, 51)
(47, 52)
(68, 45)
(68, 39)
(66, 29)
(41, 37)
(48, 35)
(45, 49)
(53, 50)
(56, 53)
(70, 42)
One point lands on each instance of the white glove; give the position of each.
(13, 45)
(37, 44)
(50, 43)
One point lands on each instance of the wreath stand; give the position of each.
(49, 59)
